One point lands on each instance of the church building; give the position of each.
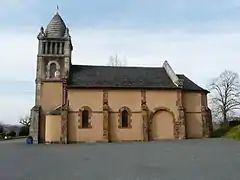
(86, 103)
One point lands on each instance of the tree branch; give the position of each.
(26, 121)
(116, 61)
(225, 91)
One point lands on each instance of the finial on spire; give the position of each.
(57, 8)
(41, 29)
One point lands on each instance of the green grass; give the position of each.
(227, 132)
(17, 137)
(233, 133)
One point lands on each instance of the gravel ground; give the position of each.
(207, 159)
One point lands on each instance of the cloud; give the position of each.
(184, 50)
(13, 107)
(18, 55)
(14, 87)
(201, 56)
(198, 55)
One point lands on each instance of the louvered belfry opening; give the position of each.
(53, 47)
(55, 33)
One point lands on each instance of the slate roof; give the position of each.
(56, 28)
(189, 85)
(86, 76)
(56, 111)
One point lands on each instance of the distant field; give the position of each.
(11, 138)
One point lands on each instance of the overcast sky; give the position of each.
(198, 38)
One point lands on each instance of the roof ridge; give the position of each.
(128, 77)
(107, 66)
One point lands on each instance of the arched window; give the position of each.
(85, 118)
(124, 118)
(53, 69)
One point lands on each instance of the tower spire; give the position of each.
(57, 8)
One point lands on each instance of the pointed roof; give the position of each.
(56, 28)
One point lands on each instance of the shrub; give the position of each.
(11, 134)
(221, 131)
(234, 123)
(2, 135)
(1, 128)
(24, 131)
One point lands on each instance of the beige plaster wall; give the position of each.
(53, 128)
(167, 99)
(50, 97)
(72, 127)
(126, 134)
(95, 133)
(76, 134)
(80, 98)
(131, 99)
(117, 99)
(162, 122)
(204, 99)
(192, 103)
(163, 126)
(94, 100)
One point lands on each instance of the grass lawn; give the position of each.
(227, 132)
(17, 137)
(233, 133)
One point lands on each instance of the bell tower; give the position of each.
(53, 65)
(54, 52)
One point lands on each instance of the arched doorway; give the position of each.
(162, 124)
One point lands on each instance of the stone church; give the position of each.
(86, 103)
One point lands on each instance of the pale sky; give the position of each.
(198, 38)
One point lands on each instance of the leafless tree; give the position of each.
(116, 61)
(26, 121)
(1, 127)
(225, 95)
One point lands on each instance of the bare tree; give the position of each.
(26, 121)
(116, 61)
(1, 127)
(225, 95)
